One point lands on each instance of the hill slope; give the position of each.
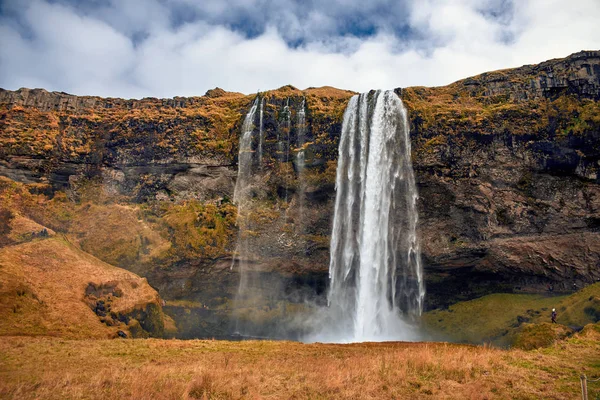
(50, 287)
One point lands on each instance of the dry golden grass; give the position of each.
(32, 368)
(330, 92)
(27, 130)
(43, 284)
(116, 233)
(22, 229)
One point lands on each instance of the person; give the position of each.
(554, 315)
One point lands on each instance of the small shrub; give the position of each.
(207, 387)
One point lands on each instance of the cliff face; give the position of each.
(506, 164)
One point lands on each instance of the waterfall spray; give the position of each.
(376, 276)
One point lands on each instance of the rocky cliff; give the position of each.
(506, 165)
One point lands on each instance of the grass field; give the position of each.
(53, 368)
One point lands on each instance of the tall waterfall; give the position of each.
(260, 132)
(300, 164)
(301, 123)
(376, 276)
(241, 195)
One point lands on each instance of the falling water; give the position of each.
(376, 277)
(301, 138)
(281, 140)
(245, 158)
(242, 197)
(285, 147)
(260, 132)
(288, 127)
(241, 194)
(300, 164)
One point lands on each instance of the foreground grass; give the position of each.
(52, 368)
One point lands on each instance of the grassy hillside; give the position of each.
(50, 287)
(499, 317)
(171, 369)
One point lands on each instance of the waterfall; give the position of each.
(260, 132)
(288, 127)
(301, 138)
(300, 163)
(241, 195)
(375, 271)
(245, 158)
(284, 148)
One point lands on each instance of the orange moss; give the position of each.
(199, 230)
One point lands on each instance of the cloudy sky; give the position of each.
(165, 48)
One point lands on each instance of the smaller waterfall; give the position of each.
(260, 133)
(300, 164)
(283, 134)
(288, 127)
(245, 157)
(301, 138)
(241, 195)
(285, 146)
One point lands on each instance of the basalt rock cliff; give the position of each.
(507, 167)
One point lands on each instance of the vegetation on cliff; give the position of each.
(192, 126)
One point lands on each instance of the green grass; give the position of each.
(580, 308)
(533, 336)
(497, 318)
(490, 318)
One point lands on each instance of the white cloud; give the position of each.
(96, 51)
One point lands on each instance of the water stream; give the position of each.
(376, 276)
(300, 165)
(242, 197)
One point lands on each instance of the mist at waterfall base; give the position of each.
(375, 290)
